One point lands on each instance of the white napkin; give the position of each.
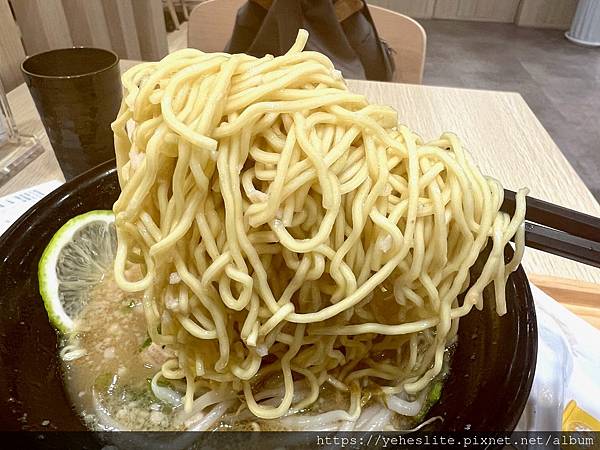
(14, 205)
(568, 367)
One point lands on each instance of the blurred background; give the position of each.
(508, 45)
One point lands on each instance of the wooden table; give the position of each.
(498, 128)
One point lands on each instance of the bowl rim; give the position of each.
(62, 192)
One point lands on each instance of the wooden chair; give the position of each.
(211, 24)
(407, 38)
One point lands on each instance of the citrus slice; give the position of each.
(78, 257)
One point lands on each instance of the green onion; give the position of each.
(146, 343)
(433, 397)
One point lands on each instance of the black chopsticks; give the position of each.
(557, 230)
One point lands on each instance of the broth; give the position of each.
(109, 385)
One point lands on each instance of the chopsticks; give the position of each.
(557, 230)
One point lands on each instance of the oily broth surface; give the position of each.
(109, 385)
(112, 331)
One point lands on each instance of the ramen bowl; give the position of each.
(488, 385)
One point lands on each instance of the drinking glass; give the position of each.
(77, 92)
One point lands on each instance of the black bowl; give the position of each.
(489, 383)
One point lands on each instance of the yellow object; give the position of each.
(297, 222)
(576, 419)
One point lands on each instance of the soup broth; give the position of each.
(109, 363)
(109, 384)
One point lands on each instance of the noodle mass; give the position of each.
(292, 236)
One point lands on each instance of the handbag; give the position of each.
(341, 29)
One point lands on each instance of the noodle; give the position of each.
(289, 231)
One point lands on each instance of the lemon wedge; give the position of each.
(77, 258)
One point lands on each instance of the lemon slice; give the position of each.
(78, 257)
